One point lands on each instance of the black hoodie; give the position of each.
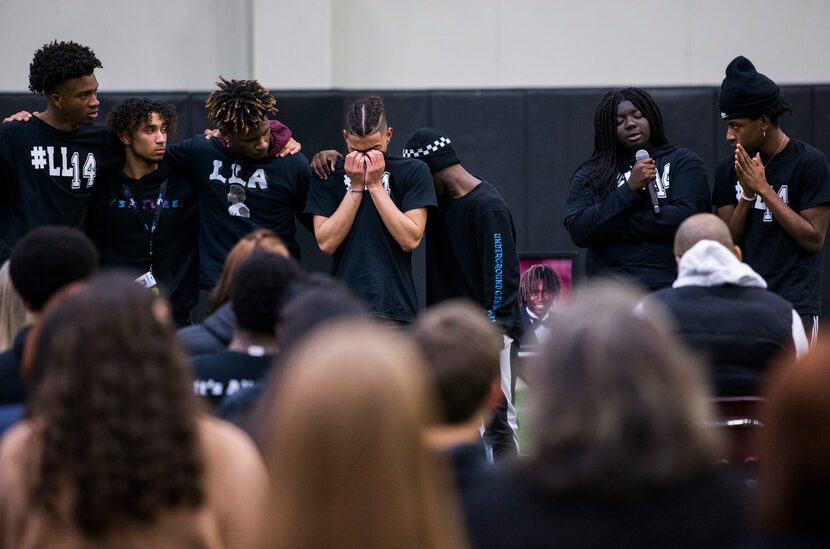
(623, 236)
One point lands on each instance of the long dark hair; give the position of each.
(606, 162)
(115, 412)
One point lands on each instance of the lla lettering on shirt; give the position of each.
(783, 194)
(256, 180)
(70, 164)
(662, 181)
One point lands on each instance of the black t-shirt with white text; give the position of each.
(369, 259)
(800, 175)
(237, 196)
(217, 376)
(121, 232)
(47, 175)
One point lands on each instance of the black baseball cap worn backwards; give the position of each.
(433, 147)
(745, 92)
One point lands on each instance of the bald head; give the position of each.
(703, 226)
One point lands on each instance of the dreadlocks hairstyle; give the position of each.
(239, 106)
(135, 111)
(366, 116)
(539, 273)
(58, 62)
(775, 112)
(607, 160)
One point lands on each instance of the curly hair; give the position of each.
(606, 161)
(366, 116)
(135, 111)
(57, 62)
(238, 106)
(115, 409)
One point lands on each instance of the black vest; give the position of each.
(738, 331)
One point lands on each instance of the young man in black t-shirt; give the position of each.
(49, 165)
(143, 216)
(774, 192)
(259, 289)
(245, 179)
(371, 213)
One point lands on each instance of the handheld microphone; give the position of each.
(642, 154)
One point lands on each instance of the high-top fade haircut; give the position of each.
(239, 106)
(57, 62)
(135, 111)
(366, 116)
(606, 161)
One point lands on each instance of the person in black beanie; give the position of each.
(471, 253)
(773, 192)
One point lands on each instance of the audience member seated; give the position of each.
(722, 309)
(315, 300)
(13, 314)
(216, 332)
(795, 450)
(621, 454)
(41, 263)
(257, 293)
(465, 379)
(114, 452)
(345, 449)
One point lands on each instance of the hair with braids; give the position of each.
(539, 273)
(775, 112)
(115, 410)
(57, 62)
(239, 106)
(135, 111)
(366, 116)
(606, 162)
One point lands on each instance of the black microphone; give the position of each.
(642, 154)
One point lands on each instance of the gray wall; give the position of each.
(424, 44)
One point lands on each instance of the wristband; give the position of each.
(351, 190)
(748, 198)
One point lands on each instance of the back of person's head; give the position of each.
(348, 464)
(461, 347)
(619, 405)
(795, 446)
(702, 226)
(259, 290)
(115, 409)
(260, 240)
(47, 259)
(316, 300)
(13, 314)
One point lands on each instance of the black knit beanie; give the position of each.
(745, 92)
(433, 147)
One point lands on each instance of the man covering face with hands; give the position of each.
(371, 213)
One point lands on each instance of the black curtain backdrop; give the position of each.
(525, 142)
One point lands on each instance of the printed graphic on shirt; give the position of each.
(236, 196)
(44, 158)
(783, 194)
(383, 181)
(662, 181)
(257, 180)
